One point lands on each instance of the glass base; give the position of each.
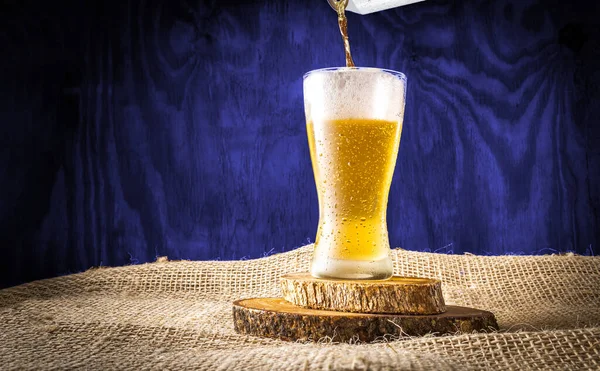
(352, 269)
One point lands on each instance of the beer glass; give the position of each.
(354, 121)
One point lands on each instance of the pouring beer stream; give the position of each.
(340, 7)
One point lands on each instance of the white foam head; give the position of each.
(357, 93)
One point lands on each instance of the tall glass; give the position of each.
(354, 121)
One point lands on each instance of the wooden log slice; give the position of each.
(403, 295)
(277, 318)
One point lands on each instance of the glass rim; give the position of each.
(398, 74)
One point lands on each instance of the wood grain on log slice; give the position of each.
(277, 318)
(402, 295)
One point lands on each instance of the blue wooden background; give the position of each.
(137, 129)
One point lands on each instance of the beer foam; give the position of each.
(358, 93)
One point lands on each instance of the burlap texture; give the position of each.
(177, 315)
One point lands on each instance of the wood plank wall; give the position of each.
(138, 129)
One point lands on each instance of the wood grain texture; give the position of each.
(401, 295)
(277, 318)
(138, 129)
(40, 66)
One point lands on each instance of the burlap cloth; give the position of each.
(176, 315)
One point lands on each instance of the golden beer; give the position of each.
(353, 162)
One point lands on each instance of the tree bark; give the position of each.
(277, 318)
(401, 295)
